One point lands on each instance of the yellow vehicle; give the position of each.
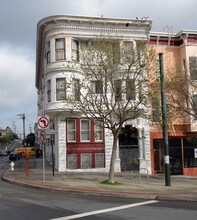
(31, 151)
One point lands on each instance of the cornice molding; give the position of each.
(91, 31)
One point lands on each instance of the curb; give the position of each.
(137, 195)
(40, 186)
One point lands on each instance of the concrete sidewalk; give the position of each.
(182, 187)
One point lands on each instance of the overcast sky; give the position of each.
(18, 21)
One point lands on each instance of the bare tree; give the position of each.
(113, 85)
(181, 95)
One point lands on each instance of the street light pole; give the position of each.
(23, 117)
(164, 119)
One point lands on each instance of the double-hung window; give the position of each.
(128, 46)
(60, 49)
(60, 89)
(76, 89)
(75, 50)
(71, 127)
(130, 89)
(118, 90)
(49, 90)
(116, 52)
(97, 87)
(48, 52)
(193, 67)
(85, 130)
(98, 130)
(155, 111)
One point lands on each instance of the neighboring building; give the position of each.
(59, 40)
(6, 131)
(179, 54)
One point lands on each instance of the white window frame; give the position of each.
(70, 161)
(48, 52)
(49, 90)
(130, 90)
(118, 89)
(89, 163)
(75, 50)
(98, 162)
(60, 89)
(98, 129)
(60, 51)
(87, 132)
(96, 87)
(76, 89)
(73, 131)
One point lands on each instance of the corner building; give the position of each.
(75, 145)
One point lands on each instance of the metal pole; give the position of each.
(53, 165)
(164, 119)
(23, 117)
(43, 161)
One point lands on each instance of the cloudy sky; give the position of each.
(18, 21)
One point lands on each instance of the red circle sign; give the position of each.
(43, 122)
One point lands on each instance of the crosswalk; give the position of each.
(96, 212)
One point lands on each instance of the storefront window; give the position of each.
(190, 146)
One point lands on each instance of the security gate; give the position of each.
(128, 148)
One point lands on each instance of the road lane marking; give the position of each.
(105, 210)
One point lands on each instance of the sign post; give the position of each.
(43, 123)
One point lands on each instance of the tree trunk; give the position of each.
(113, 160)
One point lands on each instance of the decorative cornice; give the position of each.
(86, 32)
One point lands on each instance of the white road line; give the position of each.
(105, 210)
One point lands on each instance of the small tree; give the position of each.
(113, 85)
(7, 138)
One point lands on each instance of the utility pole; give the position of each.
(164, 120)
(23, 117)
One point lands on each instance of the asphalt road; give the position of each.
(18, 202)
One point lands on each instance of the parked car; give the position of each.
(14, 155)
(4, 152)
